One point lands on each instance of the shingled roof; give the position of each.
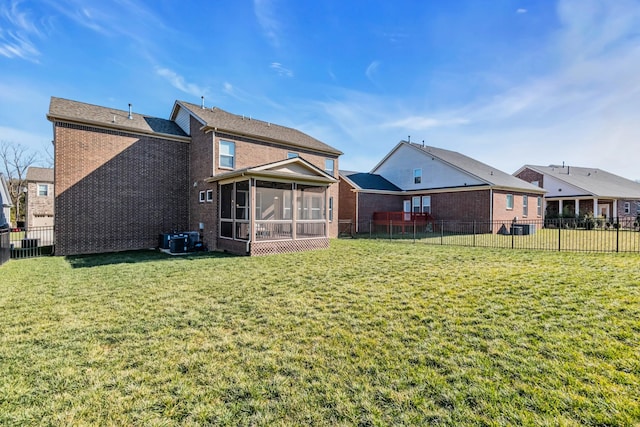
(593, 181)
(368, 181)
(65, 110)
(36, 174)
(222, 121)
(492, 176)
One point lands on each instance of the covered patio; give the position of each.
(279, 207)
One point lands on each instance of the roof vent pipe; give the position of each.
(130, 116)
(202, 105)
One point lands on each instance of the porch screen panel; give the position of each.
(311, 211)
(226, 210)
(274, 208)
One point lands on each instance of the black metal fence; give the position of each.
(561, 234)
(31, 242)
(5, 245)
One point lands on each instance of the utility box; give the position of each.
(178, 244)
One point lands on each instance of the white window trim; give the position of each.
(201, 197)
(220, 155)
(525, 205)
(509, 196)
(209, 196)
(417, 176)
(333, 166)
(38, 190)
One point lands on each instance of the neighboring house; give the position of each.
(576, 191)
(247, 186)
(5, 201)
(40, 189)
(447, 185)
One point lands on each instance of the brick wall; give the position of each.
(531, 176)
(461, 206)
(347, 198)
(252, 152)
(369, 203)
(201, 167)
(39, 208)
(116, 191)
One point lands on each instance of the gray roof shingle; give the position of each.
(484, 172)
(221, 120)
(594, 181)
(79, 112)
(39, 174)
(369, 181)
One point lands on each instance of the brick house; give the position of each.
(247, 186)
(575, 191)
(446, 185)
(40, 189)
(5, 203)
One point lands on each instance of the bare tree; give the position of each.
(16, 159)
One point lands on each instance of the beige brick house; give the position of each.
(247, 186)
(40, 200)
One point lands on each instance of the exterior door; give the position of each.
(406, 208)
(604, 211)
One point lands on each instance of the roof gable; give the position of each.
(446, 169)
(294, 169)
(591, 181)
(222, 121)
(5, 199)
(39, 174)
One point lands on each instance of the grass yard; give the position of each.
(364, 333)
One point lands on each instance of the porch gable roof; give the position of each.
(294, 169)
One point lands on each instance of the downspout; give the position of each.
(357, 208)
(251, 216)
(491, 206)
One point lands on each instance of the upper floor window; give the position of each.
(329, 165)
(417, 176)
(292, 155)
(227, 154)
(43, 190)
(509, 201)
(525, 205)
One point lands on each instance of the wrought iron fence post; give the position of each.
(559, 234)
(414, 231)
(370, 227)
(390, 229)
(474, 233)
(617, 225)
(442, 231)
(513, 231)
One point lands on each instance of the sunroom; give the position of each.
(278, 207)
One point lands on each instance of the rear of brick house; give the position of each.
(123, 178)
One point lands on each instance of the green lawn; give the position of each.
(364, 333)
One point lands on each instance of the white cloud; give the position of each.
(371, 70)
(521, 10)
(19, 29)
(282, 71)
(266, 16)
(179, 82)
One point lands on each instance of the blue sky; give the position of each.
(507, 82)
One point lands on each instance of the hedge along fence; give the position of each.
(561, 234)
